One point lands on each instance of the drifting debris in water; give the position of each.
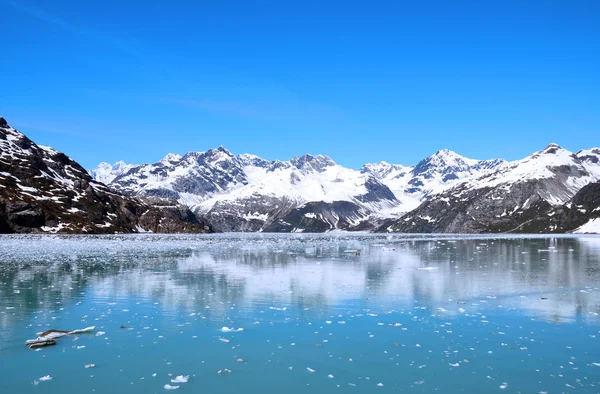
(123, 326)
(48, 338)
(224, 371)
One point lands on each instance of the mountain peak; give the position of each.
(552, 148)
(220, 150)
(3, 122)
(318, 162)
(170, 157)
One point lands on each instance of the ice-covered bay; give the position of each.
(266, 313)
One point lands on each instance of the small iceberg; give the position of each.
(227, 329)
(169, 387)
(180, 379)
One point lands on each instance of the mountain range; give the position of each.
(550, 191)
(444, 192)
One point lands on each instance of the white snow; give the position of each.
(180, 379)
(227, 329)
(591, 227)
(106, 172)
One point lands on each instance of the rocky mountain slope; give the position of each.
(537, 194)
(43, 190)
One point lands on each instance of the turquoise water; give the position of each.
(407, 314)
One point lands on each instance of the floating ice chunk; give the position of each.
(180, 379)
(227, 329)
(328, 322)
(461, 310)
(169, 387)
(504, 385)
(82, 330)
(454, 365)
(310, 369)
(100, 333)
(330, 376)
(380, 384)
(596, 364)
(90, 365)
(224, 340)
(154, 375)
(427, 268)
(45, 378)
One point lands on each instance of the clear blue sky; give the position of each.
(359, 81)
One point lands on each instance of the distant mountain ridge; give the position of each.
(313, 193)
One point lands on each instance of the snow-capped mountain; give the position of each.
(43, 190)
(432, 175)
(248, 193)
(106, 172)
(512, 198)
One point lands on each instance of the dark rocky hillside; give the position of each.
(43, 190)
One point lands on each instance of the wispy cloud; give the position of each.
(232, 108)
(80, 31)
(273, 109)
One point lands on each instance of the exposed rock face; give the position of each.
(43, 190)
(319, 217)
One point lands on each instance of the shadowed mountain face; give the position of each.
(43, 190)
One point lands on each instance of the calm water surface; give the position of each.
(302, 314)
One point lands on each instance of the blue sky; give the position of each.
(358, 81)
